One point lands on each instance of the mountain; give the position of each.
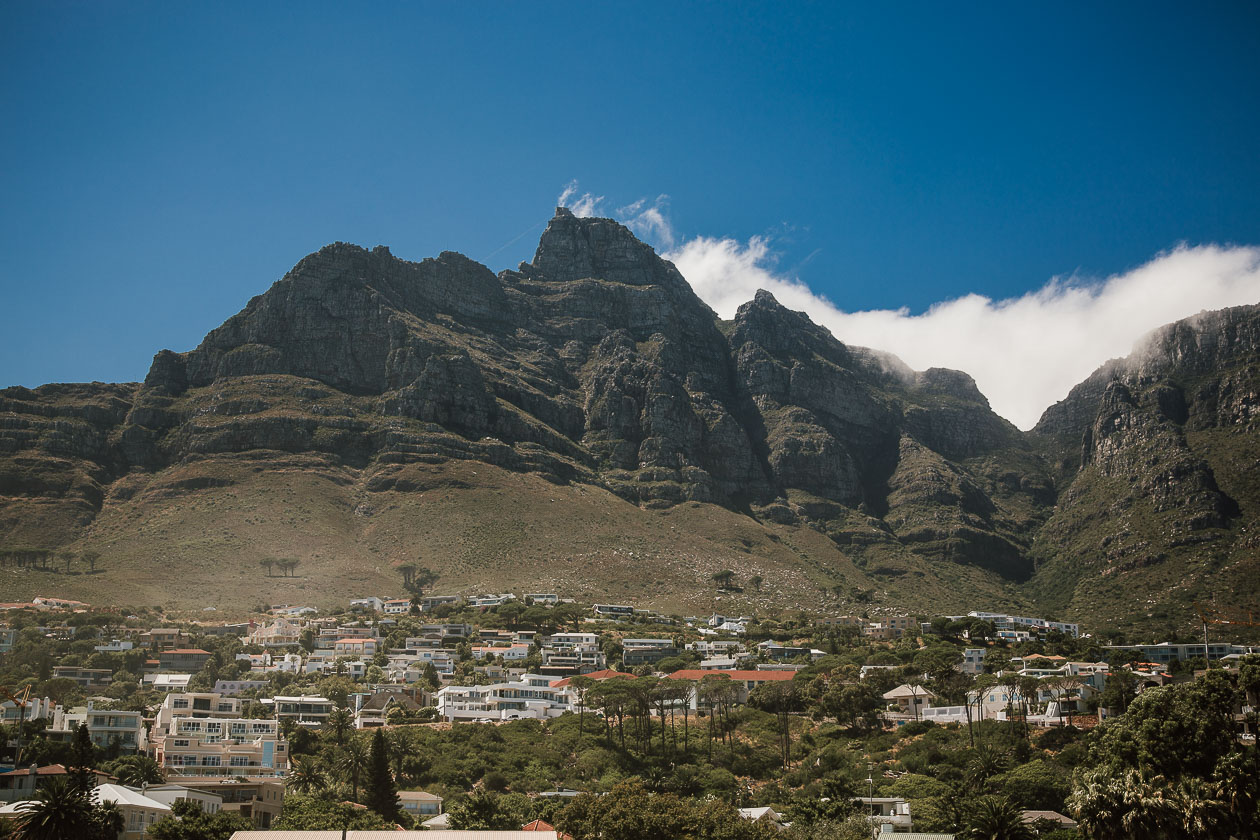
(586, 423)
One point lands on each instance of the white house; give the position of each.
(532, 696)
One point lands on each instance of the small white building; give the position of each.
(139, 811)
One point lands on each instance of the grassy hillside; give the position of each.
(193, 535)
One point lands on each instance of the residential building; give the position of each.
(429, 602)
(231, 688)
(491, 600)
(891, 811)
(139, 811)
(206, 747)
(282, 632)
(1040, 626)
(639, 651)
(259, 800)
(159, 639)
(168, 682)
(532, 696)
(36, 708)
(612, 610)
(84, 677)
(8, 638)
(910, 699)
(842, 621)
(208, 704)
(1167, 652)
(417, 803)
(541, 598)
(371, 603)
(114, 646)
(105, 727)
(304, 710)
(572, 653)
(374, 711)
(360, 647)
(182, 660)
(20, 784)
(208, 801)
(746, 681)
(510, 653)
(396, 606)
(972, 662)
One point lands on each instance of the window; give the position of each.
(210, 761)
(181, 742)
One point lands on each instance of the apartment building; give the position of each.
(183, 660)
(1038, 626)
(531, 697)
(307, 710)
(105, 727)
(84, 677)
(209, 704)
(258, 799)
(222, 747)
(639, 651)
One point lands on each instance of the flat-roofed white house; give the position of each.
(531, 696)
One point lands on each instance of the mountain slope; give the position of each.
(366, 411)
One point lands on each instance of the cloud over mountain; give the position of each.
(1025, 353)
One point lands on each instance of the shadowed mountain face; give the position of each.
(595, 366)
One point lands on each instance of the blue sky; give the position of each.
(163, 162)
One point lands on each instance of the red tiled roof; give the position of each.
(595, 675)
(747, 676)
(538, 825)
(188, 650)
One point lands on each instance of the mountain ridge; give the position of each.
(596, 365)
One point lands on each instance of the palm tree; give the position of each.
(339, 722)
(109, 819)
(305, 776)
(58, 811)
(997, 818)
(984, 765)
(352, 761)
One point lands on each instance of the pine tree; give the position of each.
(380, 792)
(82, 757)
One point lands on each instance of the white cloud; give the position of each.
(583, 206)
(650, 222)
(1024, 353)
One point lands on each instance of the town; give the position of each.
(512, 711)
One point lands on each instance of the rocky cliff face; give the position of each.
(1159, 463)
(596, 365)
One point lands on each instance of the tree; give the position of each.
(724, 579)
(304, 812)
(267, 563)
(482, 812)
(91, 558)
(986, 762)
(108, 820)
(188, 821)
(136, 770)
(339, 722)
(305, 775)
(352, 761)
(755, 582)
(59, 810)
(82, 760)
(381, 793)
(996, 818)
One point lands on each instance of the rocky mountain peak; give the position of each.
(573, 248)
